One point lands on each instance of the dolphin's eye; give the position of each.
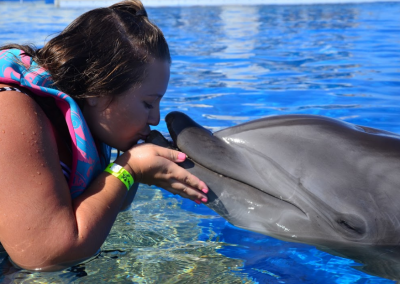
(351, 226)
(343, 223)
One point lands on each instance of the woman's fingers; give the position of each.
(172, 155)
(183, 175)
(185, 191)
(156, 165)
(180, 179)
(187, 178)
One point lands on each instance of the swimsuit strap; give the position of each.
(3, 89)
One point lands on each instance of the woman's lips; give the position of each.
(143, 137)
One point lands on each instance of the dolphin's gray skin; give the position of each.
(303, 178)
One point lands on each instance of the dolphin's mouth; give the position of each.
(238, 180)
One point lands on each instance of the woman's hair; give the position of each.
(104, 52)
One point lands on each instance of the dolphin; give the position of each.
(302, 178)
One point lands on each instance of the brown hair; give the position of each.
(104, 52)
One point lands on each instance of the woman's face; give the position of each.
(127, 118)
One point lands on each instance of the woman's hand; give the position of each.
(155, 165)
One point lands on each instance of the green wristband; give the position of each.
(121, 174)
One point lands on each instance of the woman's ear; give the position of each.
(93, 101)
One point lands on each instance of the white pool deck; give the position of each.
(166, 3)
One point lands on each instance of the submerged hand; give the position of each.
(155, 165)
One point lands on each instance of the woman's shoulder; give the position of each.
(21, 121)
(13, 99)
(26, 133)
(24, 128)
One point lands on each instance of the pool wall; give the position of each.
(160, 3)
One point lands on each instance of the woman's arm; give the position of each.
(40, 226)
(130, 196)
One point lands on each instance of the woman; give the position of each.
(96, 85)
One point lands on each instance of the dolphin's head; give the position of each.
(300, 178)
(266, 183)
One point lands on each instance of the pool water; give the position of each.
(231, 65)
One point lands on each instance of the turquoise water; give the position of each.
(230, 65)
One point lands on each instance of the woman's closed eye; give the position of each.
(147, 105)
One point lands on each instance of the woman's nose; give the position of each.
(154, 117)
